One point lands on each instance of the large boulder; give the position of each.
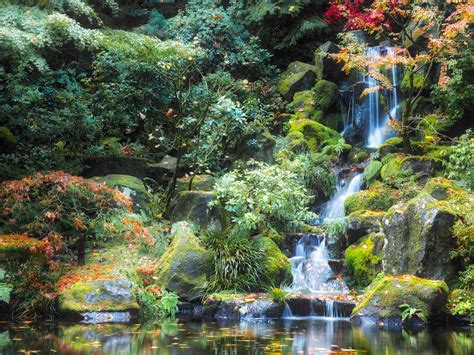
(8, 141)
(99, 295)
(298, 77)
(277, 264)
(326, 67)
(380, 305)
(184, 266)
(419, 236)
(372, 171)
(363, 260)
(196, 207)
(325, 94)
(420, 168)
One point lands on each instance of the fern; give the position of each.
(5, 289)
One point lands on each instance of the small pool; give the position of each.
(295, 336)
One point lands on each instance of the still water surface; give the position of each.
(308, 336)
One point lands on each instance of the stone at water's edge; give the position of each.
(380, 304)
(362, 223)
(419, 238)
(98, 296)
(193, 206)
(184, 266)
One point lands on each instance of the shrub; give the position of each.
(57, 208)
(237, 261)
(460, 165)
(230, 45)
(265, 197)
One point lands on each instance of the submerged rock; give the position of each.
(194, 206)
(380, 305)
(298, 77)
(184, 266)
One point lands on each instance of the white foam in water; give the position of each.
(335, 206)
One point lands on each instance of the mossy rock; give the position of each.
(97, 295)
(8, 141)
(196, 207)
(419, 236)
(298, 77)
(441, 188)
(327, 67)
(377, 198)
(372, 171)
(361, 223)
(277, 264)
(380, 304)
(419, 168)
(333, 120)
(200, 183)
(314, 134)
(305, 106)
(391, 145)
(363, 260)
(133, 187)
(325, 94)
(184, 266)
(358, 155)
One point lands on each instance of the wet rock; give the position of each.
(336, 265)
(379, 306)
(298, 77)
(304, 305)
(353, 135)
(184, 266)
(194, 206)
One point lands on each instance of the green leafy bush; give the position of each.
(460, 164)
(158, 304)
(265, 197)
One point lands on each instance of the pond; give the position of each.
(296, 336)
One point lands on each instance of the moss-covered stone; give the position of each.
(391, 145)
(419, 168)
(378, 197)
(298, 77)
(8, 141)
(325, 94)
(363, 260)
(380, 304)
(195, 207)
(184, 266)
(419, 236)
(133, 187)
(358, 155)
(372, 171)
(361, 223)
(313, 134)
(333, 120)
(111, 295)
(277, 264)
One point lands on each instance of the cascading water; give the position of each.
(335, 206)
(377, 128)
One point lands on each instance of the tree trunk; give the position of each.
(81, 247)
(172, 185)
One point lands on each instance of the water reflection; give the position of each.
(309, 336)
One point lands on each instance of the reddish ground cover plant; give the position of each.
(57, 208)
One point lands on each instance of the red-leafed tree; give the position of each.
(423, 33)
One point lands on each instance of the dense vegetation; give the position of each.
(119, 119)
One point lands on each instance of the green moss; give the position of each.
(299, 76)
(362, 261)
(358, 155)
(277, 264)
(225, 296)
(418, 82)
(315, 134)
(372, 171)
(184, 266)
(393, 169)
(8, 141)
(305, 107)
(413, 167)
(127, 181)
(377, 198)
(389, 292)
(332, 120)
(325, 94)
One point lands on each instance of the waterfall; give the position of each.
(377, 128)
(335, 206)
